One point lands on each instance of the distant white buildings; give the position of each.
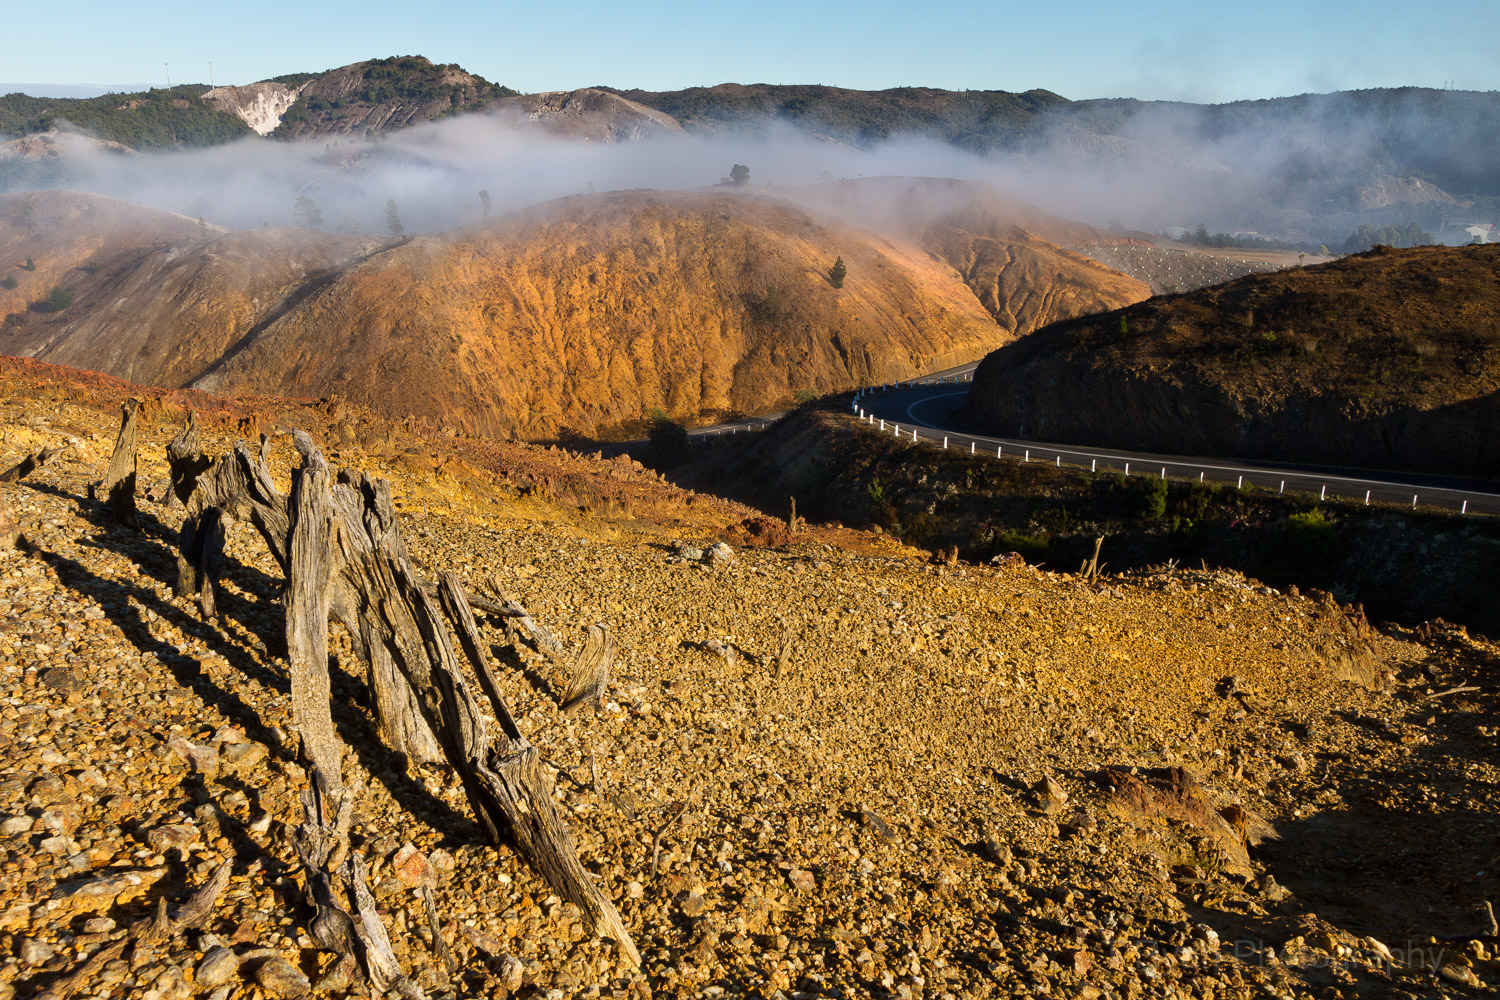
(1469, 231)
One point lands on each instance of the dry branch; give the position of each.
(31, 463)
(119, 479)
(591, 672)
(1091, 569)
(483, 605)
(507, 788)
(458, 612)
(322, 841)
(381, 965)
(194, 913)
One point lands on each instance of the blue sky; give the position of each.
(1170, 49)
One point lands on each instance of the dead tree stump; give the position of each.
(185, 459)
(119, 479)
(309, 595)
(345, 559)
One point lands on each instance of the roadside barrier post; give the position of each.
(1413, 501)
(1127, 468)
(1323, 493)
(1465, 509)
(1164, 472)
(1240, 484)
(945, 442)
(1283, 488)
(1059, 461)
(971, 447)
(882, 423)
(1027, 457)
(1367, 498)
(1093, 465)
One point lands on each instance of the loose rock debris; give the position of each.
(871, 817)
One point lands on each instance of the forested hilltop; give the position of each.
(152, 119)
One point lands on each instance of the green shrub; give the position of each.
(1311, 538)
(837, 273)
(59, 298)
(1196, 501)
(1145, 496)
(1151, 497)
(8, 282)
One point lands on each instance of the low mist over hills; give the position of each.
(1308, 169)
(1383, 360)
(580, 314)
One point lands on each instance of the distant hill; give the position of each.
(384, 94)
(584, 313)
(592, 115)
(1388, 359)
(972, 119)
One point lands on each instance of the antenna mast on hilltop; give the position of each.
(169, 75)
(210, 74)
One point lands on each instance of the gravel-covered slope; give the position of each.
(830, 768)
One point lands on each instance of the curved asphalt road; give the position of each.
(928, 405)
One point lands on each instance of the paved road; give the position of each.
(928, 407)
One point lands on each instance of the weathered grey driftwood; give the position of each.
(31, 463)
(119, 478)
(591, 672)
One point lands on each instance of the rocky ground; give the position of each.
(830, 766)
